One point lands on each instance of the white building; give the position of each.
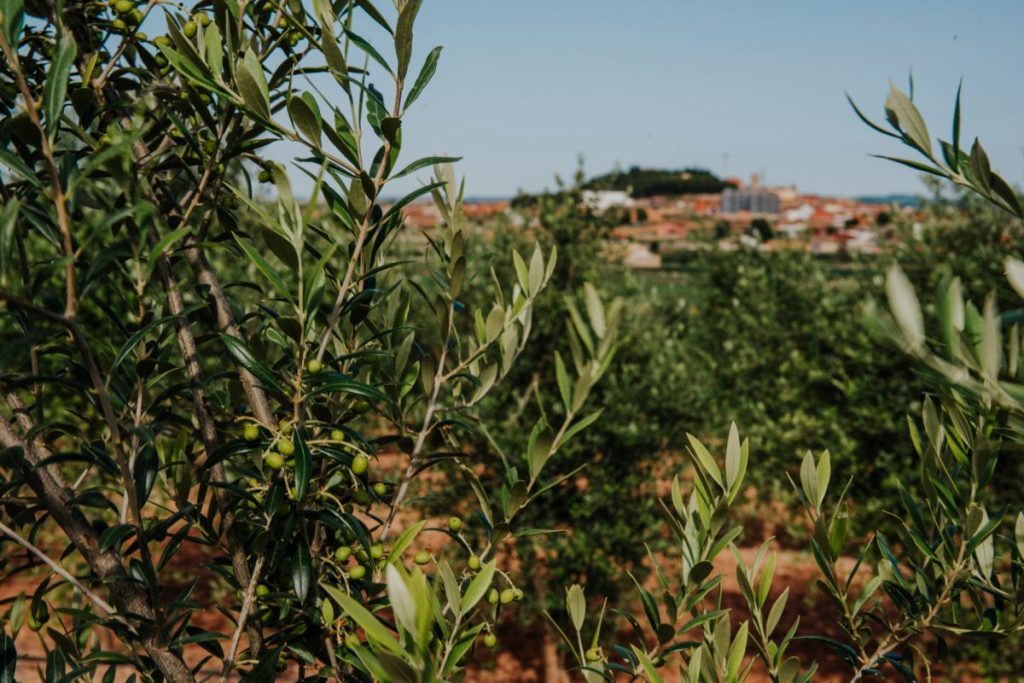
(601, 200)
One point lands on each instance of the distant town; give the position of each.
(738, 214)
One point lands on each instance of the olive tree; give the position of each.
(953, 571)
(195, 371)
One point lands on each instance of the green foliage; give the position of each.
(594, 514)
(645, 182)
(968, 169)
(774, 340)
(952, 572)
(194, 375)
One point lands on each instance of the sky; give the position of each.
(523, 88)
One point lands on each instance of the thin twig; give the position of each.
(421, 437)
(58, 569)
(243, 616)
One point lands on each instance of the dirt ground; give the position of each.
(519, 657)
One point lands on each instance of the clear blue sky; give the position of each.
(524, 87)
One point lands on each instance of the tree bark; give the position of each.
(130, 599)
(208, 433)
(226, 322)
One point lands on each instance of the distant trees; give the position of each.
(647, 182)
(762, 229)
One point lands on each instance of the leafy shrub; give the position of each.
(593, 515)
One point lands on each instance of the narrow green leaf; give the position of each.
(956, 129)
(374, 13)
(981, 170)
(916, 165)
(905, 307)
(576, 605)
(252, 84)
(775, 613)
(403, 34)
(263, 266)
(564, 383)
(405, 540)
(423, 79)
(869, 589)
(824, 475)
(8, 653)
(424, 163)
(910, 120)
(305, 115)
(402, 603)
(376, 631)
(732, 457)
(867, 121)
(214, 45)
(22, 169)
(736, 652)
(478, 587)
(704, 459)
(592, 300)
(12, 19)
(365, 46)
(247, 359)
(302, 571)
(303, 465)
(56, 87)
(809, 479)
(8, 222)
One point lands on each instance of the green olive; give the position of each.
(251, 432)
(454, 524)
(594, 654)
(337, 435)
(35, 623)
(343, 553)
(381, 489)
(377, 551)
(262, 591)
(274, 461)
(360, 463)
(507, 596)
(422, 557)
(314, 366)
(124, 6)
(357, 572)
(490, 640)
(285, 447)
(492, 596)
(473, 563)
(189, 29)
